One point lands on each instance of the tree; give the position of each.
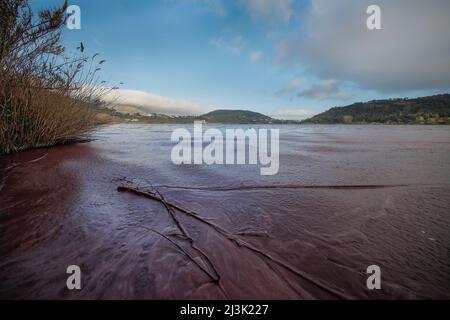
(347, 119)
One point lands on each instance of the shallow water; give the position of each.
(307, 238)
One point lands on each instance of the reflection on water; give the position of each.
(315, 238)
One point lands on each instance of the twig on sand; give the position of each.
(239, 242)
(214, 275)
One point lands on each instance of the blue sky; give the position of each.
(285, 58)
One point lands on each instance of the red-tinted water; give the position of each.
(310, 237)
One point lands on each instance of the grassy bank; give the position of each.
(46, 95)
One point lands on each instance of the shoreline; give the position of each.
(55, 228)
(63, 208)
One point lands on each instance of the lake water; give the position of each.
(345, 198)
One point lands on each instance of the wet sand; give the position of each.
(290, 238)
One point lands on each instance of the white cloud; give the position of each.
(255, 56)
(272, 10)
(233, 45)
(154, 103)
(326, 90)
(293, 114)
(410, 52)
(292, 87)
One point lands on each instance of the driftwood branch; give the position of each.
(214, 275)
(156, 196)
(187, 254)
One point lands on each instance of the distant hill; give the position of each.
(120, 114)
(139, 111)
(424, 110)
(128, 109)
(236, 116)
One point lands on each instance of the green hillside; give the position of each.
(424, 110)
(136, 115)
(236, 116)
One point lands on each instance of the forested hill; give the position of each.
(424, 110)
(120, 114)
(236, 116)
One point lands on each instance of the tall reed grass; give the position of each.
(46, 95)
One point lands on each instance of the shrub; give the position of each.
(46, 96)
(347, 119)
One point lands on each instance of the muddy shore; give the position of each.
(46, 228)
(60, 206)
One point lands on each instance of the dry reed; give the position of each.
(46, 95)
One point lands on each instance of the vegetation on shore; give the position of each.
(425, 110)
(46, 95)
(110, 115)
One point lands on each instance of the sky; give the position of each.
(289, 59)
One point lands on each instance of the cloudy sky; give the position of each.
(286, 58)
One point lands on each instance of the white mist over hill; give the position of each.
(152, 103)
